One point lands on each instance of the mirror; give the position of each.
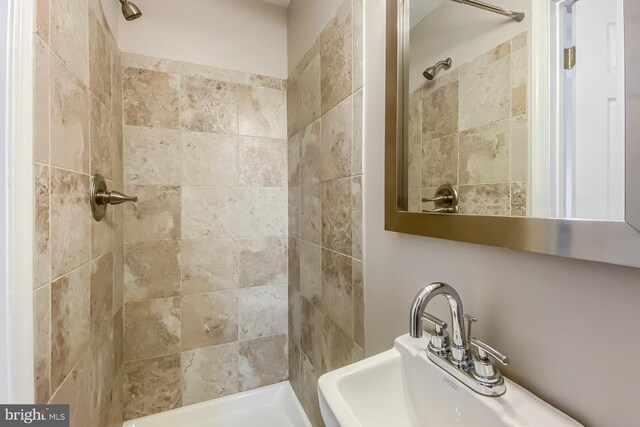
(474, 124)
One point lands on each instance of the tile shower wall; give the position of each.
(326, 304)
(78, 264)
(469, 128)
(205, 281)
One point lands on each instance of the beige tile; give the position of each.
(336, 141)
(485, 199)
(117, 401)
(357, 280)
(151, 270)
(337, 216)
(41, 91)
(356, 218)
(484, 88)
(209, 265)
(262, 112)
(263, 212)
(117, 150)
(311, 272)
(294, 314)
(116, 82)
(415, 142)
(144, 62)
(293, 160)
(440, 108)
(209, 159)
(101, 294)
(357, 354)
(75, 391)
(309, 395)
(519, 41)
(262, 311)
(293, 115)
(42, 19)
(295, 367)
(294, 211)
(519, 148)
(150, 98)
(485, 154)
(263, 261)
(42, 344)
(152, 386)
(519, 198)
(69, 322)
(208, 105)
(118, 338)
(336, 58)
(101, 132)
(337, 289)
(69, 34)
(208, 373)
(357, 166)
(118, 277)
(99, 61)
(310, 157)
(69, 115)
(337, 347)
(263, 162)
(293, 260)
(42, 244)
(308, 85)
(519, 79)
(209, 212)
(155, 216)
(209, 319)
(358, 44)
(151, 156)
(263, 361)
(151, 328)
(311, 213)
(311, 333)
(70, 221)
(440, 161)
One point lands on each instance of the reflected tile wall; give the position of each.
(78, 264)
(469, 128)
(206, 250)
(326, 287)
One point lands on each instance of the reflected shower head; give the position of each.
(430, 72)
(130, 11)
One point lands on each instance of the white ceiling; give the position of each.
(283, 3)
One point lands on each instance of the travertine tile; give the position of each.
(152, 386)
(75, 391)
(485, 154)
(118, 277)
(209, 265)
(144, 62)
(262, 311)
(42, 244)
(151, 270)
(357, 280)
(42, 344)
(294, 367)
(209, 212)
(310, 157)
(263, 162)
(311, 333)
(485, 199)
(150, 98)
(519, 148)
(309, 396)
(357, 166)
(519, 41)
(337, 347)
(116, 82)
(263, 211)
(69, 132)
(440, 161)
(415, 144)
(42, 19)
(69, 322)
(208, 105)
(294, 211)
(336, 58)
(295, 314)
(311, 213)
(293, 259)
(69, 34)
(263, 361)
(293, 115)
(519, 79)
(293, 160)
(262, 112)
(155, 216)
(519, 198)
(151, 328)
(311, 272)
(99, 61)
(209, 319)
(358, 44)
(356, 217)
(101, 294)
(308, 85)
(117, 401)
(118, 337)
(485, 89)
(335, 141)
(208, 373)
(357, 354)
(337, 289)
(41, 106)
(151, 156)
(440, 108)
(209, 159)
(117, 149)
(263, 261)
(337, 216)
(70, 221)
(101, 131)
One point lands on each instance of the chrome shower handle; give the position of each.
(449, 209)
(100, 197)
(439, 199)
(113, 198)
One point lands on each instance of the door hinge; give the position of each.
(570, 58)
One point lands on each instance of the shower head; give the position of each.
(130, 11)
(430, 72)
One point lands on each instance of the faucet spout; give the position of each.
(459, 345)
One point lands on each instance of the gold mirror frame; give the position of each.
(614, 242)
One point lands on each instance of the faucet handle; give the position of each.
(439, 341)
(485, 350)
(437, 323)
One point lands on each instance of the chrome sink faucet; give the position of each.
(453, 355)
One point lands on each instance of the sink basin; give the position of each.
(403, 388)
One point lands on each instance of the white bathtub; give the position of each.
(271, 406)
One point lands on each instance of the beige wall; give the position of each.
(545, 312)
(325, 206)
(78, 262)
(243, 35)
(205, 255)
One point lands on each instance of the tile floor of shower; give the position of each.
(270, 406)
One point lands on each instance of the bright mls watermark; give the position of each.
(34, 415)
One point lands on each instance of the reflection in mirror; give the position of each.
(473, 122)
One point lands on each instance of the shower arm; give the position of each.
(516, 16)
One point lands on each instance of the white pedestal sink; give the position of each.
(403, 388)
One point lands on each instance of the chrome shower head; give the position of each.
(430, 72)
(130, 11)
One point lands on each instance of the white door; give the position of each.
(599, 110)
